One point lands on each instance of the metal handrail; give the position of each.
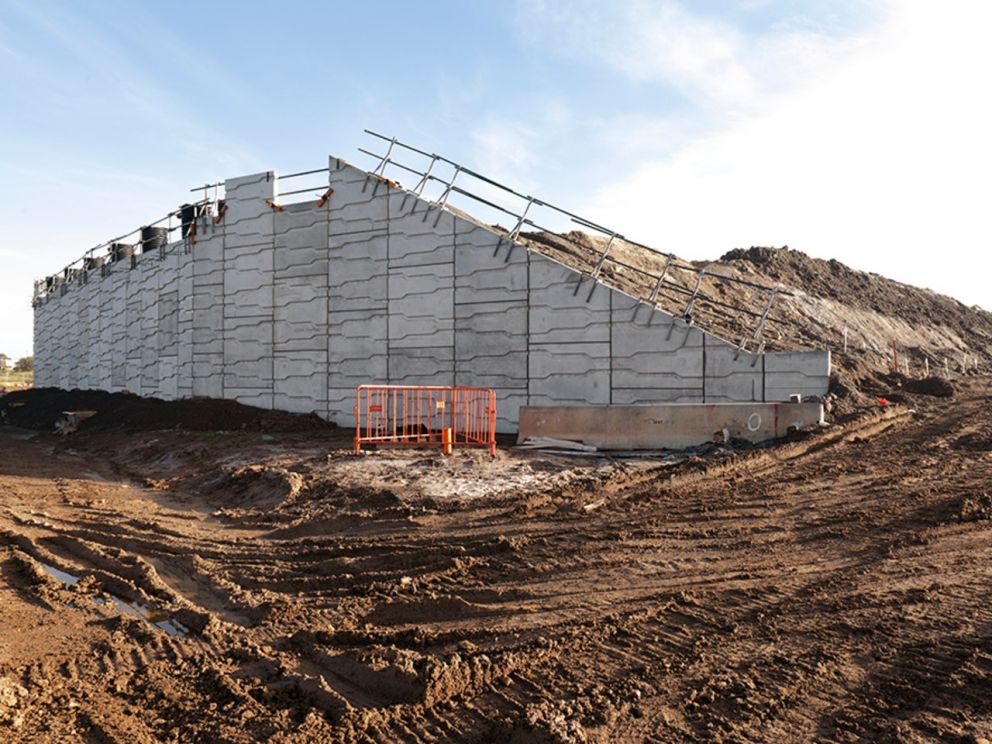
(299, 174)
(662, 282)
(79, 264)
(697, 299)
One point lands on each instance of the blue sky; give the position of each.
(855, 130)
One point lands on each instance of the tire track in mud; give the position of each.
(822, 589)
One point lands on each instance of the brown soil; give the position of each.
(832, 588)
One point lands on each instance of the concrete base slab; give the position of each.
(665, 426)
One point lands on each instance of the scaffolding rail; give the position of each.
(449, 179)
(444, 173)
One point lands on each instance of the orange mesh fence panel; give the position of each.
(417, 415)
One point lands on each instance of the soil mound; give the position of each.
(860, 316)
(863, 290)
(42, 407)
(260, 486)
(937, 387)
(979, 440)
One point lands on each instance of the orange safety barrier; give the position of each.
(425, 415)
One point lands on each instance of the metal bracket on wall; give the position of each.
(661, 280)
(421, 185)
(443, 200)
(759, 326)
(381, 168)
(698, 300)
(687, 312)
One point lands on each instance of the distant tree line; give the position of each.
(24, 364)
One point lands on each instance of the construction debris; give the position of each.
(554, 443)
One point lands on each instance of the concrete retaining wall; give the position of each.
(666, 425)
(292, 309)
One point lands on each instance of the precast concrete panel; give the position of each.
(491, 311)
(249, 266)
(292, 307)
(655, 358)
(795, 373)
(732, 375)
(300, 314)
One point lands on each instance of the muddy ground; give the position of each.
(192, 586)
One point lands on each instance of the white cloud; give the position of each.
(504, 149)
(708, 60)
(877, 154)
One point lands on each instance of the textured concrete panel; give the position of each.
(300, 381)
(421, 238)
(421, 306)
(508, 404)
(249, 219)
(655, 357)
(357, 348)
(341, 405)
(300, 308)
(569, 373)
(422, 366)
(357, 205)
(804, 373)
(491, 345)
(732, 375)
(559, 314)
(488, 268)
(358, 271)
(206, 324)
(300, 279)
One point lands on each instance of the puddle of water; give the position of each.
(66, 578)
(155, 618)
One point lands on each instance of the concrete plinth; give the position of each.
(665, 426)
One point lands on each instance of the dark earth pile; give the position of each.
(42, 407)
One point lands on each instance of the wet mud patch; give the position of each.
(168, 624)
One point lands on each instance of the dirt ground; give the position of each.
(191, 586)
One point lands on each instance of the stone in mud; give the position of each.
(974, 508)
(11, 695)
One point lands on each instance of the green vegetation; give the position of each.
(11, 379)
(19, 375)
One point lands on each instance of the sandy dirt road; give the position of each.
(169, 586)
